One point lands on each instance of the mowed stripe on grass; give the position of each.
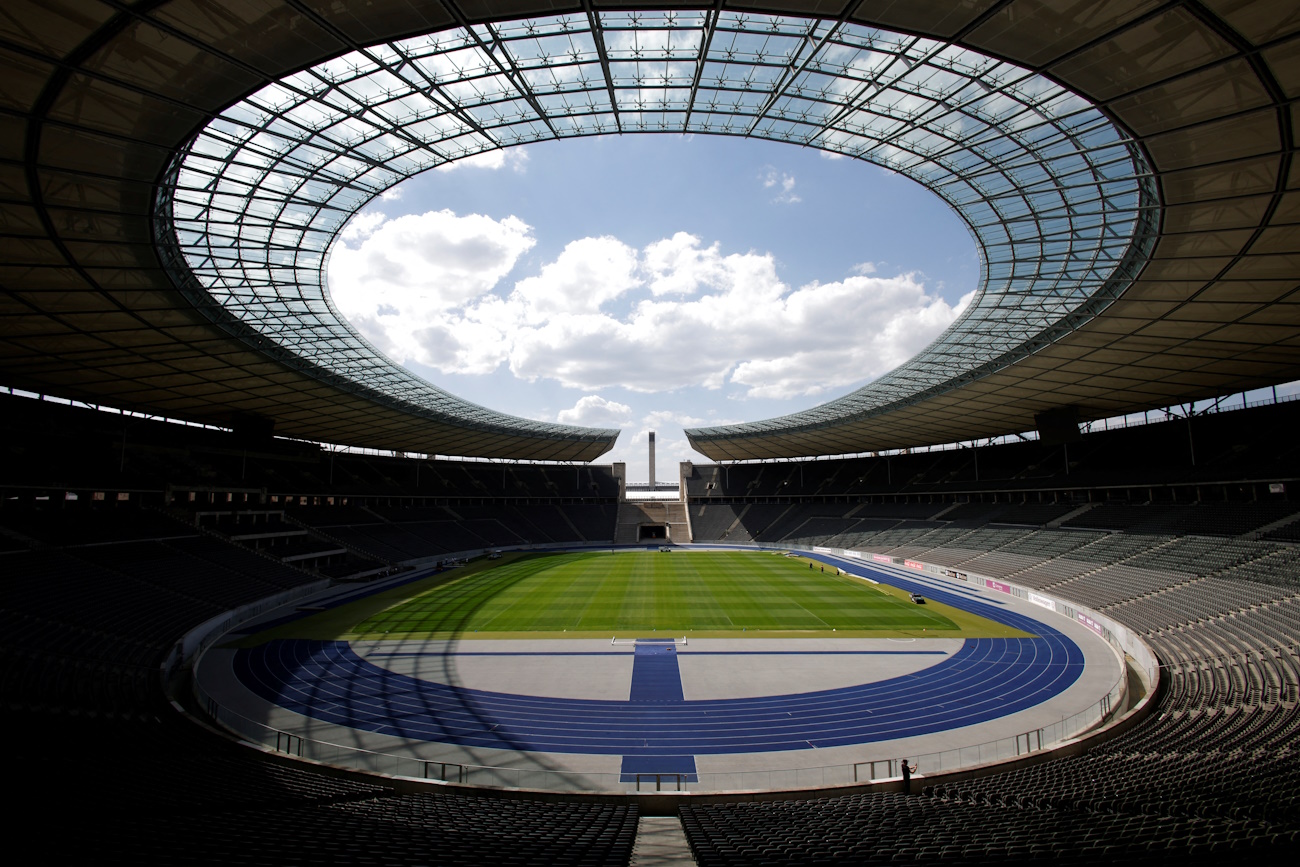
(700, 593)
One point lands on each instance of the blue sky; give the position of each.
(653, 282)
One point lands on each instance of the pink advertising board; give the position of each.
(1091, 624)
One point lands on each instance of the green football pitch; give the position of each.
(642, 593)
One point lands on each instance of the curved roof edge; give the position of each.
(103, 96)
(482, 432)
(1057, 197)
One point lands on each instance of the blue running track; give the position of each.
(655, 675)
(985, 679)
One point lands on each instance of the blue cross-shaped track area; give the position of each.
(987, 678)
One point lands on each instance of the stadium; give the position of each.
(1092, 466)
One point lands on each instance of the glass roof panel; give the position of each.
(1059, 199)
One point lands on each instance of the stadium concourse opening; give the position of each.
(174, 179)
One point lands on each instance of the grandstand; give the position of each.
(1149, 262)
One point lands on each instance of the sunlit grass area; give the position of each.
(641, 593)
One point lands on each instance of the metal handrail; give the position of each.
(877, 768)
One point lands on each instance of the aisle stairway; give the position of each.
(661, 842)
(633, 515)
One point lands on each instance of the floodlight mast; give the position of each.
(652, 461)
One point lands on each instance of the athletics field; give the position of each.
(702, 594)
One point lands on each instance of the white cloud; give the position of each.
(392, 194)
(589, 272)
(962, 303)
(395, 280)
(782, 184)
(864, 268)
(663, 417)
(740, 326)
(661, 344)
(595, 411)
(362, 226)
(851, 330)
(677, 265)
(693, 316)
(515, 159)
